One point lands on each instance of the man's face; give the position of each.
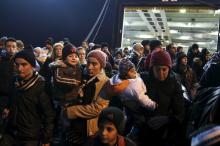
(139, 49)
(11, 47)
(93, 66)
(173, 49)
(196, 50)
(161, 72)
(23, 68)
(108, 133)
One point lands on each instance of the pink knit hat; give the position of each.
(100, 56)
(160, 58)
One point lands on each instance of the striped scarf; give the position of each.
(26, 84)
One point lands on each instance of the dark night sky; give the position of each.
(34, 20)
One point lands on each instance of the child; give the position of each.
(67, 80)
(111, 125)
(133, 97)
(67, 75)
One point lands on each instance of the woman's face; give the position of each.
(183, 61)
(161, 72)
(108, 133)
(93, 66)
(82, 54)
(58, 50)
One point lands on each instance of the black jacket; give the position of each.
(167, 94)
(31, 113)
(6, 74)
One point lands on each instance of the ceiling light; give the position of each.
(216, 12)
(155, 10)
(185, 37)
(202, 43)
(214, 33)
(182, 10)
(173, 31)
(143, 36)
(126, 23)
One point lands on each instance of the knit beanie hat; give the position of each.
(27, 54)
(124, 66)
(67, 50)
(160, 58)
(114, 115)
(100, 56)
(58, 44)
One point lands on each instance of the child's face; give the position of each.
(108, 133)
(72, 59)
(132, 73)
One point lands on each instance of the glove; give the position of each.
(158, 122)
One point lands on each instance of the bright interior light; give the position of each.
(126, 23)
(214, 33)
(182, 10)
(217, 12)
(173, 31)
(185, 37)
(202, 43)
(155, 10)
(144, 36)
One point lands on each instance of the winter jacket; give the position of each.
(67, 82)
(135, 57)
(210, 77)
(167, 94)
(134, 91)
(90, 111)
(31, 111)
(169, 113)
(6, 74)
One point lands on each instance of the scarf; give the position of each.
(26, 84)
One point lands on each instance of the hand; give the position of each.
(5, 113)
(61, 63)
(157, 122)
(113, 90)
(47, 144)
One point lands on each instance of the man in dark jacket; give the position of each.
(6, 70)
(30, 112)
(166, 91)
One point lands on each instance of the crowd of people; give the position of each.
(149, 95)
